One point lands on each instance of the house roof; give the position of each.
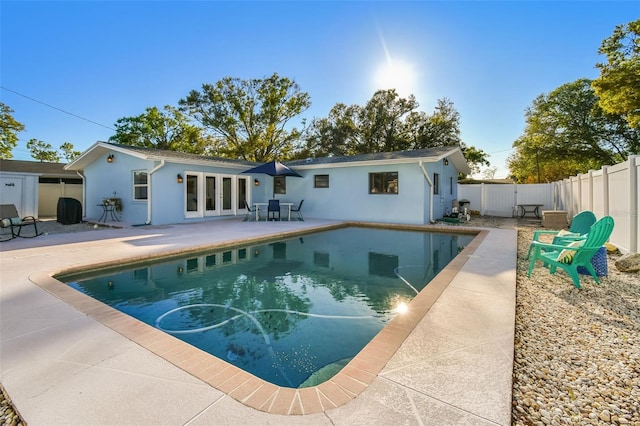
(36, 168)
(102, 149)
(431, 155)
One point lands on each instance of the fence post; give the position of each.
(633, 202)
(605, 190)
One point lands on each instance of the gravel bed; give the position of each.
(577, 360)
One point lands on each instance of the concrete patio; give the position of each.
(62, 366)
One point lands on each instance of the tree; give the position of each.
(387, 123)
(566, 133)
(476, 158)
(68, 152)
(8, 131)
(618, 86)
(489, 172)
(168, 129)
(42, 151)
(249, 119)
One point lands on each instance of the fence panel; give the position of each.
(612, 191)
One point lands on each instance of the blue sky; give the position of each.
(105, 60)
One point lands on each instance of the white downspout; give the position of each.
(151, 172)
(84, 194)
(426, 176)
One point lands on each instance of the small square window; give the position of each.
(321, 181)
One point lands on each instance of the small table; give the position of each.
(108, 209)
(530, 208)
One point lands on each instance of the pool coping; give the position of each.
(244, 387)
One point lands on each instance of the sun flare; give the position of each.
(397, 75)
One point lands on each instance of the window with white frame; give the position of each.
(436, 183)
(140, 185)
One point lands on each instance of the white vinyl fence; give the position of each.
(610, 191)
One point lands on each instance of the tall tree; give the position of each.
(167, 129)
(618, 86)
(386, 123)
(42, 151)
(68, 152)
(250, 119)
(566, 133)
(9, 129)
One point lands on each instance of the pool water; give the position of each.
(292, 312)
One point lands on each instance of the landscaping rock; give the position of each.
(629, 262)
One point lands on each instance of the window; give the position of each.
(321, 181)
(450, 186)
(436, 184)
(140, 185)
(383, 183)
(279, 185)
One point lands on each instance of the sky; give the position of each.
(69, 70)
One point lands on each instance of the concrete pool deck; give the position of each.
(61, 365)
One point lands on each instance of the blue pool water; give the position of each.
(292, 312)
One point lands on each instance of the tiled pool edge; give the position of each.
(255, 392)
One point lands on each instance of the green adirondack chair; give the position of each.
(579, 253)
(580, 225)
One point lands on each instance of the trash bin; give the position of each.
(69, 211)
(599, 263)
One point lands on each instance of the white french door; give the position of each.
(209, 194)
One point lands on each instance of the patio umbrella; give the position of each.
(272, 168)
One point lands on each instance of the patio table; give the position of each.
(530, 208)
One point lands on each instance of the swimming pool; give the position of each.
(292, 312)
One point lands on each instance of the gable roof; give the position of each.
(430, 155)
(102, 149)
(36, 167)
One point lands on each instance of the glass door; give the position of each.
(226, 195)
(192, 201)
(211, 204)
(214, 194)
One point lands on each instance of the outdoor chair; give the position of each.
(10, 219)
(580, 225)
(578, 253)
(251, 213)
(272, 209)
(297, 210)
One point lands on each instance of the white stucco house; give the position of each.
(165, 187)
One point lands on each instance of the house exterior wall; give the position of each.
(348, 197)
(166, 195)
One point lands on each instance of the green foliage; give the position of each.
(42, 151)
(168, 129)
(9, 129)
(68, 152)
(618, 86)
(387, 123)
(475, 157)
(566, 133)
(249, 118)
